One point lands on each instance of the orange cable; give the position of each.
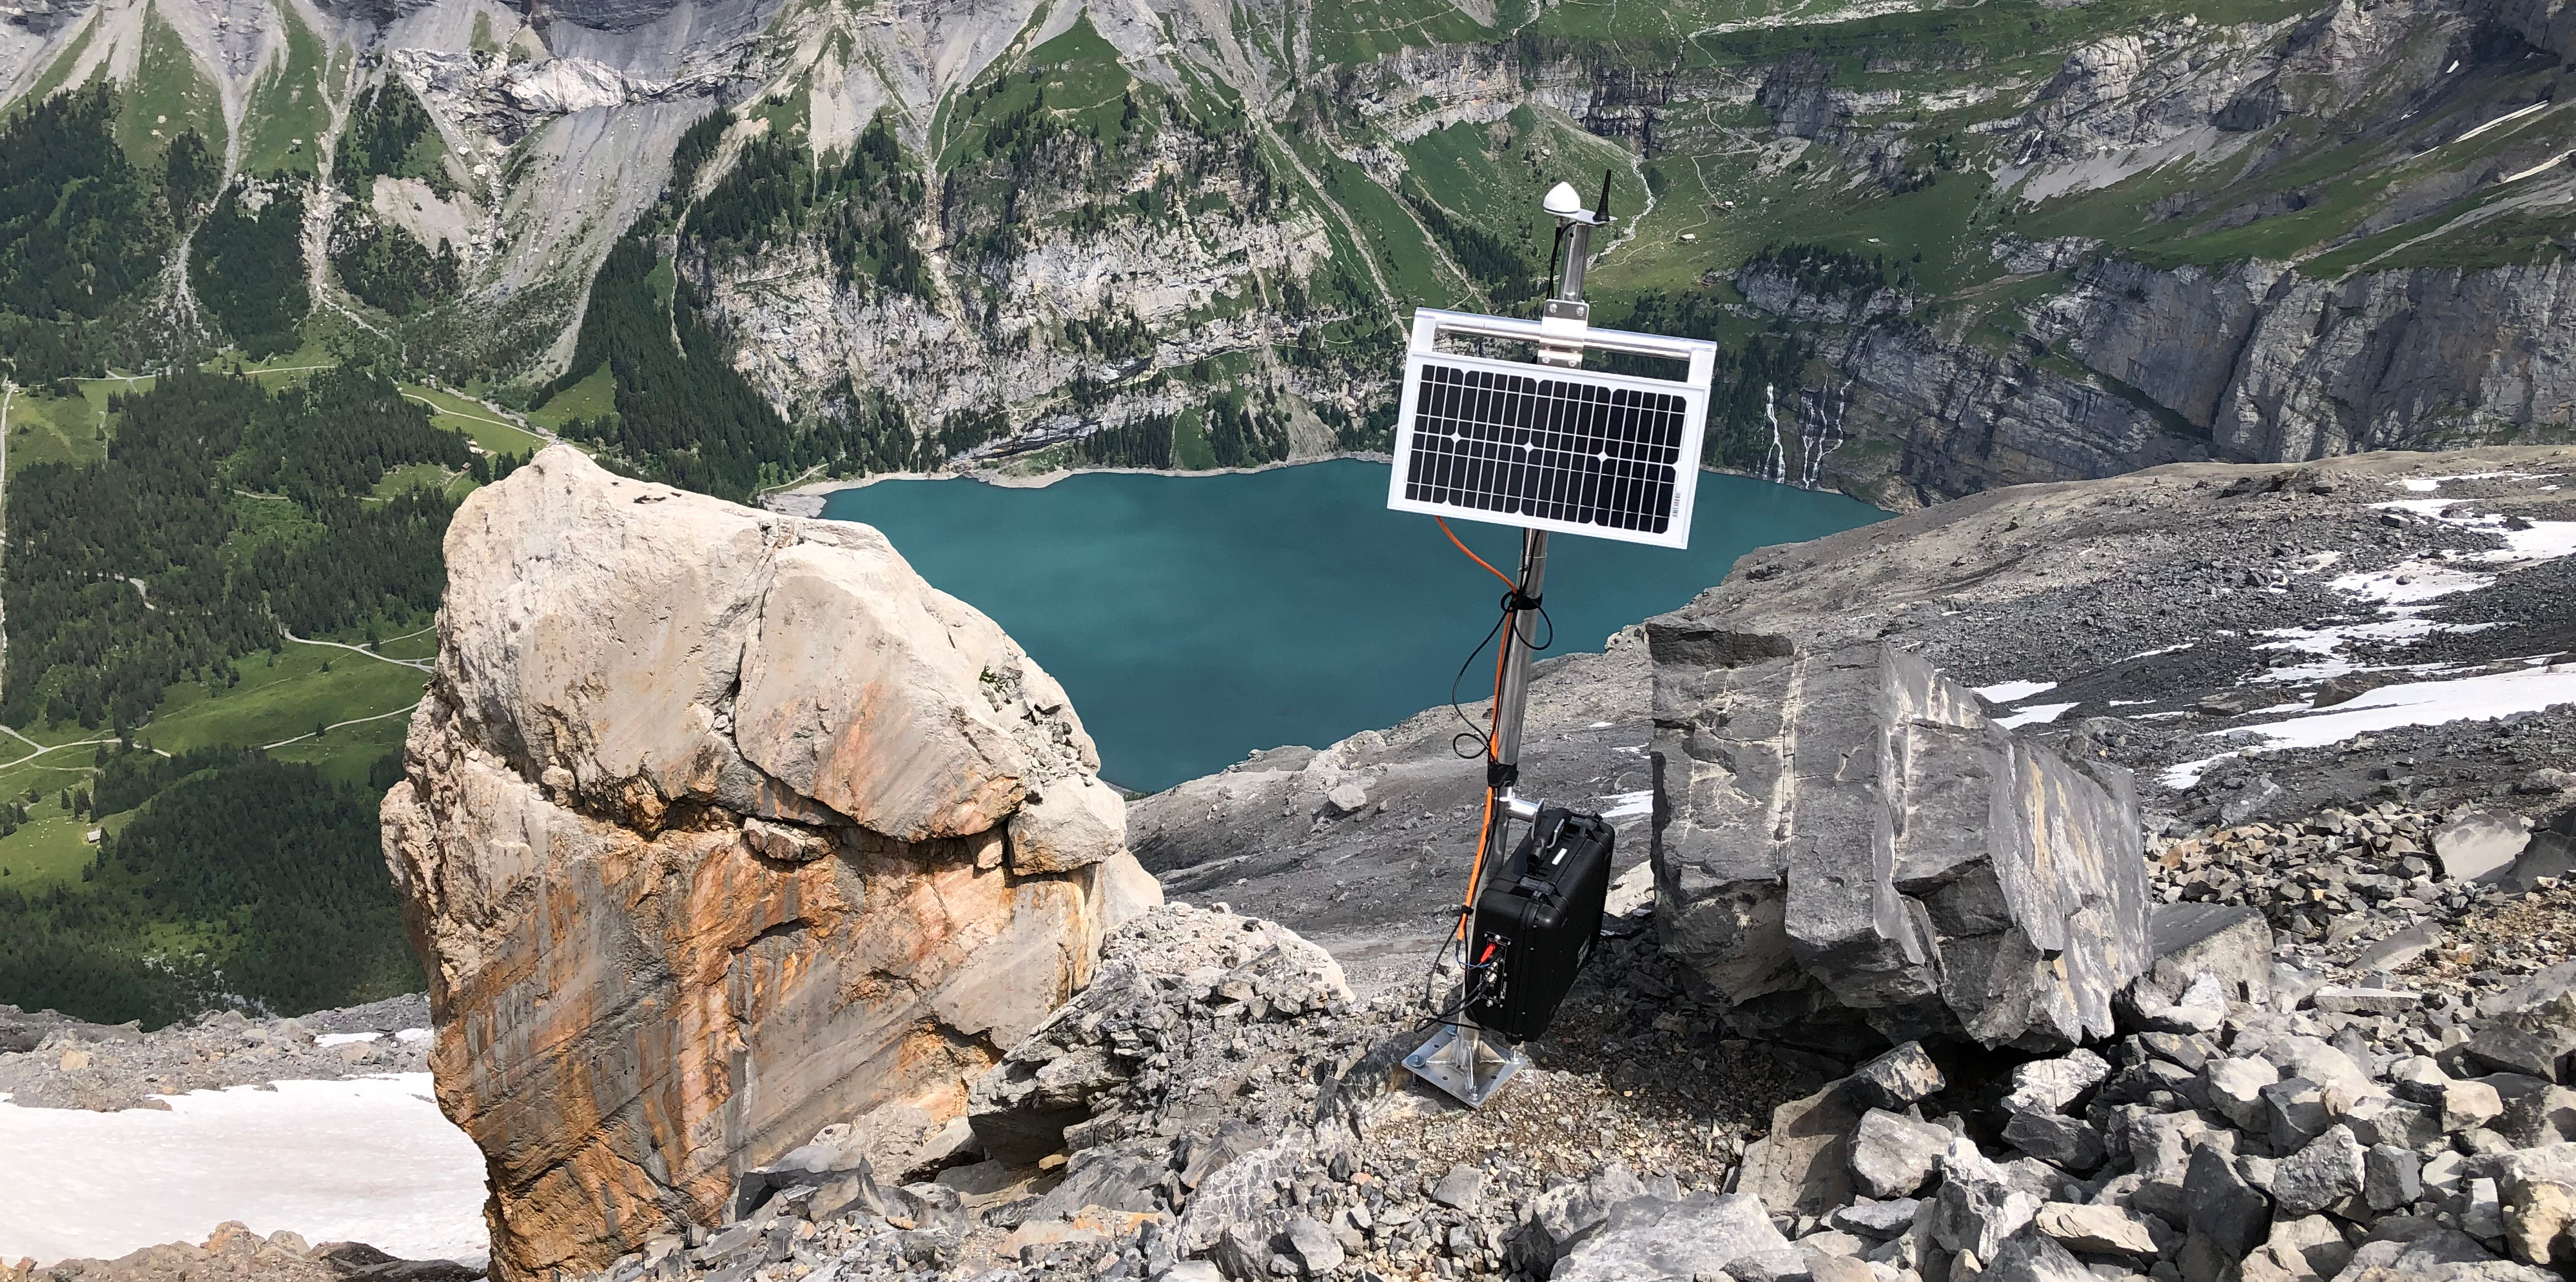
(1493, 725)
(1471, 555)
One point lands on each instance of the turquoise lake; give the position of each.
(1196, 619)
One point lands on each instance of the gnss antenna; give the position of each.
(1549, 447)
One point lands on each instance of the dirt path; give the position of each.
(83, 743)
(414, 664)
(403, 711)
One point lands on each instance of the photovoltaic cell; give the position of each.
(1555, 449)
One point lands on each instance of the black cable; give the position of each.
(1473, 731)
(1551, 627)
(1555, 252)
(1471, 988)
(1475, 743)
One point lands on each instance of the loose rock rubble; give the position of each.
(76, 1065)
(1226, 1107)
(1218, 1106)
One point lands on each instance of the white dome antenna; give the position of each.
(1563, 201)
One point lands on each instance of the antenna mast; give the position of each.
(1461, 1059)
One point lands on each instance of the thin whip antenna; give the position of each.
(1601, 207)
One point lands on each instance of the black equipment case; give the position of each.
(1536, 922)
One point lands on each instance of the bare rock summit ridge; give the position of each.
(719, 827)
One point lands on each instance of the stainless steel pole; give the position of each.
(1516, 659)
(1460, 1059)
(1512, 703)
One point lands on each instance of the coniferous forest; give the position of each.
(683, 414)
(240, 877)
(223, 517)
(222, 513)
(82, 230)
(129, 575)
(247, 266)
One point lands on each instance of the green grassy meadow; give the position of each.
(481, 422)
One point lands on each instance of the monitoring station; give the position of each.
(1513, 430)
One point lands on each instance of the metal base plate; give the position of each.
(1466, 1063)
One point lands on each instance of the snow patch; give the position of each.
(2409, 582)
(2327, 644)
(328, 1040)
(2184, 777)
(364, 1160)
(2534, 542)
(2040, 715)
(2419, 703)
(2012, 691)
(2428, 484)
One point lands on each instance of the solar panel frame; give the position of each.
(1555, 481)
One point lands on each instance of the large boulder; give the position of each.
(1847, 849)
(718, 828)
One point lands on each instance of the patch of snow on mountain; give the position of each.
(2327, 644)
(2012, 691)
(2525, 542)
(2040, 715)
(2421, 703)
(2410, 582)
(2168, 649)
(2428, 484)
(2186, 775)
(364, 1160)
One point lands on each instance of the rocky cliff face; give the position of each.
(1193, 285)
(2277, 366)
(717, 828)
(2253, 363)
(2294, 230)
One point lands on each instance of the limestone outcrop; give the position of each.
(719, 827)
(1846, 848)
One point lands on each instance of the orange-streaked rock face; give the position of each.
(706, 840)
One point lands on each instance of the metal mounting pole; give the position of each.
(1511, 709)
(1459, 1059)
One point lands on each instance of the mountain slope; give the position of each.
(1946, 247)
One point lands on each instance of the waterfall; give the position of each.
(1775, 465)
(1828, 436)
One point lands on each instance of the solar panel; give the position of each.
(1607, 455)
